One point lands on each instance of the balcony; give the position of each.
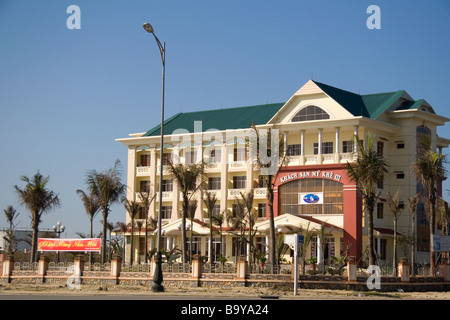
(142, 171)
(232, 193)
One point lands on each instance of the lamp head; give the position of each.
(148, 27)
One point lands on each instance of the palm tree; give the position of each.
(269, 179)
(395, 208)
(133, 209)
(210, 200)
(187, 177)
(146, 202)
(218, 220)
(429, 169)
(108, 188)
(247, 202)
(39, 200)
(11, 215)
(237, 222)
(139, 225)
(122, 228)
(191, 214)
(412, 206)
(92, 207)
(366, 172)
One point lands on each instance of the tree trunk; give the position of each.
(394, 253)
(105, 218)
(370, 206)
(34, 237)
(183, 229)
(432, 208)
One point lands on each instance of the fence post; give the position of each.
(351, 269)
(8, 266)
(42, 265)
(78, 265)
(444, 270)
(242, 269)
(196, 270)
(403, 270)
(116, 268)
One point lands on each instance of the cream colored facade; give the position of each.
(391, 120)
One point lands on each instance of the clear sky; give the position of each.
(67, 94)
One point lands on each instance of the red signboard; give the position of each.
(52, 244)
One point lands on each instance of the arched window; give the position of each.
(310, 113)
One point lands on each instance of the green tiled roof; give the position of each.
(368, 105)
(220, 119)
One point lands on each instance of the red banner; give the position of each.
(52, 244)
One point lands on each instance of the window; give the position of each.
(332, 201)
(145, 160)
(382, 250)
(261, 210)
(380, 209)
(144, 186)
(216, 210)
(400, 145)
(190, 157)
(166, 212)
(240, 153)
(294, 149)
(400, 175)
(347, 146)
(214, 183)
(215, 156)
(262, 182)
(167, 158)
(196, 244)
(167, 185)
(239, 182)
(380, 148)
(327, 147)
(310, 113)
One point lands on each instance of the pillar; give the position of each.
(116, 268)
(196, 270)
(242, 268)
(7, 269)
(403, 270)
(353, 220)
(42, 266)
(351, 269)
(444, 270)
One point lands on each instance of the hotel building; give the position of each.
(317, 126)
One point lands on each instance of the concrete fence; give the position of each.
(196, 275)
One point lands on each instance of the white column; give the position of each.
(356, 133)
(285, 136)
(337, 148)
(337, 140)
(320, 141)
(319, 251)
(302, 142)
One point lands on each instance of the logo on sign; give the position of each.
(311, 198)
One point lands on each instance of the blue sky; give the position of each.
(66, 95)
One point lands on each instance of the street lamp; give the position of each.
(158, 276)
(59, 228)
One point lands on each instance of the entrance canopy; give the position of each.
(291, 223)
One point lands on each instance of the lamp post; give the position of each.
(158, 276)
(59, 228)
